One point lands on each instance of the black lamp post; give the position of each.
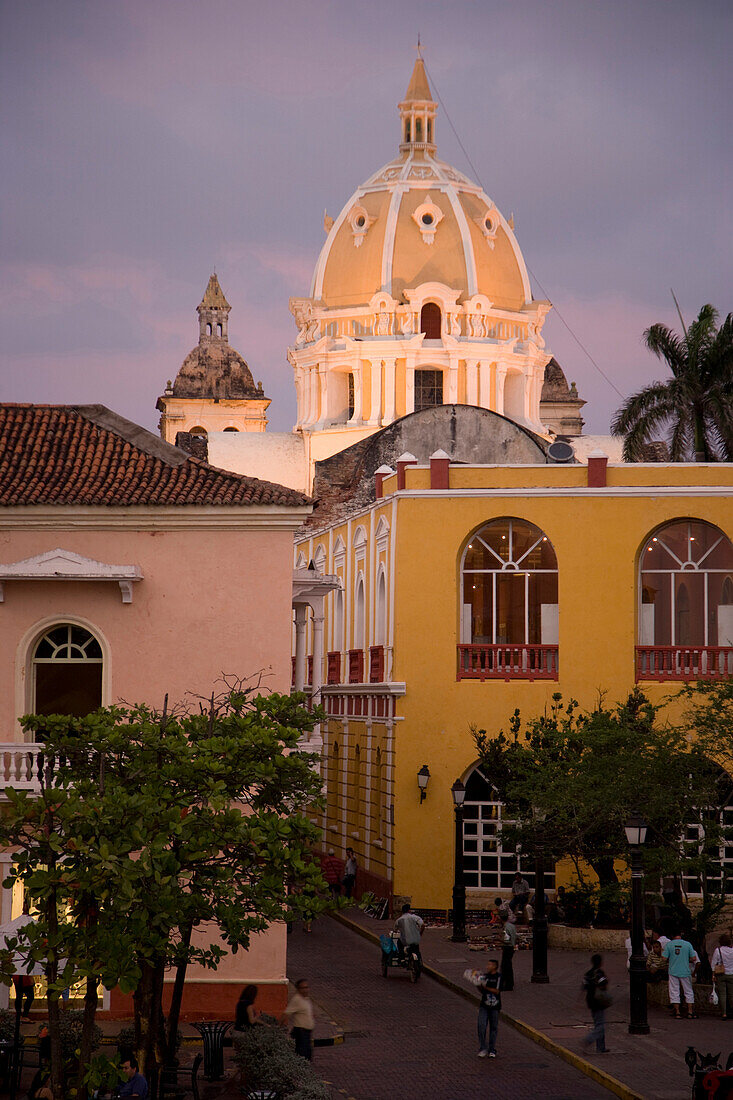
(458, 791)
(635, 829)
(539, 926)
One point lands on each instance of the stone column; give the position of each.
(410, 385)
(389, 391)
(452, 380)
(471, 382)
(501, 370)
(317, 649)
(375, 412)
(301, 613)
(485, 385)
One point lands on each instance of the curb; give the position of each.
(612, 1084)
(330, 1041)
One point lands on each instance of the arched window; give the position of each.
(333, 785)
(208, 330)
(359, 633)
(509, 609)
(231, 429)
(198, 430)
(377, 816)
(489, 862)
(685, 613)
(67, 672)
(338, 620)
(352, 404)
(219, 330)
(430, 321)
(356, 790)
(418, 129)
(381, 617)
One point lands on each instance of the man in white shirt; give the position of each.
(300, 1011)
(410, 928)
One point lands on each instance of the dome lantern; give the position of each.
(417, 112)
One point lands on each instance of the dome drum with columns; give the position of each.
(420, 296)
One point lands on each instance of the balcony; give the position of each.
(20, 765)
(670, 662)
(507, 662)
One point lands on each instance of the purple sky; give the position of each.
(145, 143)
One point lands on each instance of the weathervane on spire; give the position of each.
(419, 48)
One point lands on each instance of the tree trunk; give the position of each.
(147, 1000)
(701, 454)
(174, 1014)
(87, 1036)
(604, 868)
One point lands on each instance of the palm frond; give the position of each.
(666, 345)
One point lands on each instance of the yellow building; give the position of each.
(471, 589)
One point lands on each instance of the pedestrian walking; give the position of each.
(489, 1009)
(598, 999)
(683, 961)
(722, 964)
(509, 946)
(302, 1019)
(333, 869)
(350, 872)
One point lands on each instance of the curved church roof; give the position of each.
(419, 220)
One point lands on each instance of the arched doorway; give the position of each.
(430, 321)
(67, 672)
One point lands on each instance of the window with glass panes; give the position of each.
(488, 861)
(712, 835)
(67, 672)
(428, 389)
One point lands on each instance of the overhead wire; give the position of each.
(477, 177)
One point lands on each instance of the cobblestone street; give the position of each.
(414, 1041)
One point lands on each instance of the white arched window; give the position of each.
(509, 609)
(489, 862)
(380, 625)
(685, 603)
(67, 672)
(359, 617)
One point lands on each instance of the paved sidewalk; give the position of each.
(411, 1042)
(651, 1065)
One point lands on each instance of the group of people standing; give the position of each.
(340, 873)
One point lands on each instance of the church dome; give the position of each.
(418, 220)
(214, 369)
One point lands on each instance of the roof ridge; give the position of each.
(132, 433)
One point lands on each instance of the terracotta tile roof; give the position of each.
(89, 455)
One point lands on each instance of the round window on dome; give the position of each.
(427, 219)
(361, 221)
(488, 223)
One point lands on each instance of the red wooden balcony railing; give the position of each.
(507, 662)
(356, 666)
(310, 670)
(333, 668)
(674, 662)
(376, 664)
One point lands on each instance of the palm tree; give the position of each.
(696, 404)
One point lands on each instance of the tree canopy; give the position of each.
(694, 406)
(150, 825)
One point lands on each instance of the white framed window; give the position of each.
(509, 584)
(67, 671)
(686, 586)
(489, 862)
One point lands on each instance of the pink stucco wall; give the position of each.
(211, 601)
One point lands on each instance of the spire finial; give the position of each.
(419, 48)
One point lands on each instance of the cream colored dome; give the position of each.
(418, 220)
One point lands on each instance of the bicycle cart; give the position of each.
(405, 958)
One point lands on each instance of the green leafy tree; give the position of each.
(696, 404)
(150, 826)
(583, 772)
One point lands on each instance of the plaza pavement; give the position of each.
(648, 1066)
(410, 1042)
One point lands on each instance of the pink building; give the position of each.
(129, 569)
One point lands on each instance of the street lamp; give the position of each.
(458, 791)
(539, 927)
(423, 778)
(635, 829)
